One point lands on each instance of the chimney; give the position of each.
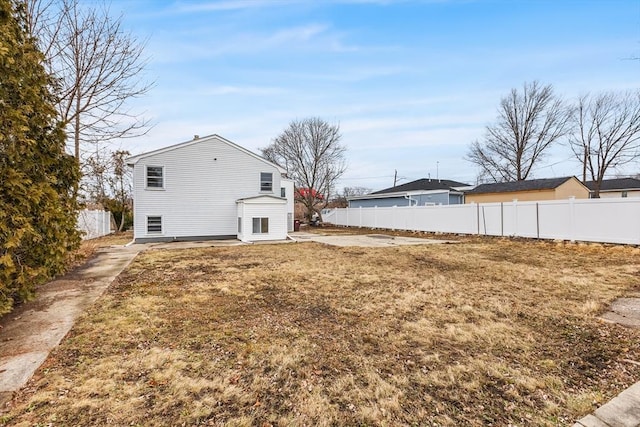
(196, 137)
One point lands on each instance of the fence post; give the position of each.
(478, 217)
(393, 218)
(537, 221)
(515, 217)
(502, 219)
(375, 216)
(360, 217)
(572, 219)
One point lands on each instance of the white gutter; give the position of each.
(407, 197)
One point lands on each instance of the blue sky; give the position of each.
(411, 83)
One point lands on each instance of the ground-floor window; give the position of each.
(260, 225)
(154, 224)
(239, 225)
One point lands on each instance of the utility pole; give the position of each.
(395, 177)
(437, 171)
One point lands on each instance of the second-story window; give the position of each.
(155, 177)
(266, 181)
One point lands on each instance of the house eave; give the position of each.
(615, 190)
(400, 194)
(131, 161)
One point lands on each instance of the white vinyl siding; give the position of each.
(155, 177)
(263, 218)
(206, 180)
(287, 184)
(266, 181)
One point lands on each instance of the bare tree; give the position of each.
(342, 200)
(607, 133)
(528, 123)
(95, 177)
(98, 67)
(121, 184)
(108, 181)
(355, 191)
(311, 152)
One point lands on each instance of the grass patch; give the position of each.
(487, 332)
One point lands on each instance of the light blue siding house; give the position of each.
(422, 192)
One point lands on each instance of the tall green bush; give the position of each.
(38, 180)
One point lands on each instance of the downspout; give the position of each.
(407, 197)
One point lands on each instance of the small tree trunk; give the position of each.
(584, 166)
(122, 215)
(76, 131)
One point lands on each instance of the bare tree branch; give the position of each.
(528, 124)
(311, 152)
(98, 66)
(607, 133)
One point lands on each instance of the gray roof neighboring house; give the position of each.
(426, 184)
(527, 185)
(617, 184)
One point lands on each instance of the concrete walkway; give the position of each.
(51, 315)
(363, 240)
(621, 411)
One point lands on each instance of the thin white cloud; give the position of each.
(317, 37)
(231, 5)
(242, 90)
(228, 5)
(301, 33)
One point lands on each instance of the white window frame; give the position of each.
(263, 190)
(260, 225)
(161, 225)
(146, 177)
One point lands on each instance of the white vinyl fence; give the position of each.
(94, 223)
(592, 220)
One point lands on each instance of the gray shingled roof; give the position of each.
(528, 185)
(422, 184)
(616, 184)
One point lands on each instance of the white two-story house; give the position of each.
(209, 188)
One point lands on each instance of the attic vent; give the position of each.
(196, 137)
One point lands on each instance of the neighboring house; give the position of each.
(529, 190)
(422, 192)
(209, 188)
(619, 187)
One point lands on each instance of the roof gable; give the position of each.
(527, 185)
(262, 198)
(206, 139)
(617, 184)
(422, 184)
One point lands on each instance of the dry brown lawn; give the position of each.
(483, 332)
